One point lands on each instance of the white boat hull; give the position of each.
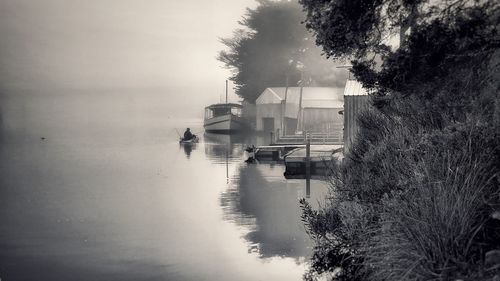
(223, 124)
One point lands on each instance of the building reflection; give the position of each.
(267, 204)
(260, 199)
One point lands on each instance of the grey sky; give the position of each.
(64, 45)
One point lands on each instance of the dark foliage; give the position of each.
(416, 195)
(274, 46)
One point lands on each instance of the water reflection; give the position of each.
(220, 148)
(110, 195)
(261, 200)
(188, 148)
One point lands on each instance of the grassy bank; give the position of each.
(412, 204)
(417, 194)
(412, 201)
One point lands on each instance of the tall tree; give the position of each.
(274, 46)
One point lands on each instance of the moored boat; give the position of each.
(223, 118)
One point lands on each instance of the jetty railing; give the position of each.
(315, 138)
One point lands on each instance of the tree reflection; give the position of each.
(261, 199)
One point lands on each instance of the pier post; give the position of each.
(308, 159)
(308, 188)
(308, 167)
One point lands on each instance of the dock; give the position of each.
(317, 161)
(273, 152)
(327, 138)
(298, 158)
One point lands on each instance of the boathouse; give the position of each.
(356, 100)
(295, 109)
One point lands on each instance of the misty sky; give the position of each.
(67, 45)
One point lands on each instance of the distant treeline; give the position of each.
(418, 195)
(274, 46)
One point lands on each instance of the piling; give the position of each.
(308, 188)
(308, 159)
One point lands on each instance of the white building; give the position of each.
(292, 109)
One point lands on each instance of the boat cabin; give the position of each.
(221, 109)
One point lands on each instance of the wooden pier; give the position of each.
(299, 159)
(328, 138)
(275, 152)
(311, 160)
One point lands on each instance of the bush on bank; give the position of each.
(409, 204)
(418, 195)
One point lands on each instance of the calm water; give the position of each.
(109, 194)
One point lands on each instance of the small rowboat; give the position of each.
(191, 141)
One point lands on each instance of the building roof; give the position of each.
(323, 97)
(354, 88)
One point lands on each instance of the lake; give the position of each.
(97, 187)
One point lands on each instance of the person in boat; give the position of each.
(188, 135)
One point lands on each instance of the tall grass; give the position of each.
(410, 204)
(435, 231)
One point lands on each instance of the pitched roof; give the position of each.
(354, 88)
(311, 96)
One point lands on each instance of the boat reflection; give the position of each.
(218, 145)
(188, 148)
(221, 148)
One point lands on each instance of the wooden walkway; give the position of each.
(316, 161)
(315, 138)
(303, 154)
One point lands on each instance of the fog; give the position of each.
(94, 184)
(79, 47)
